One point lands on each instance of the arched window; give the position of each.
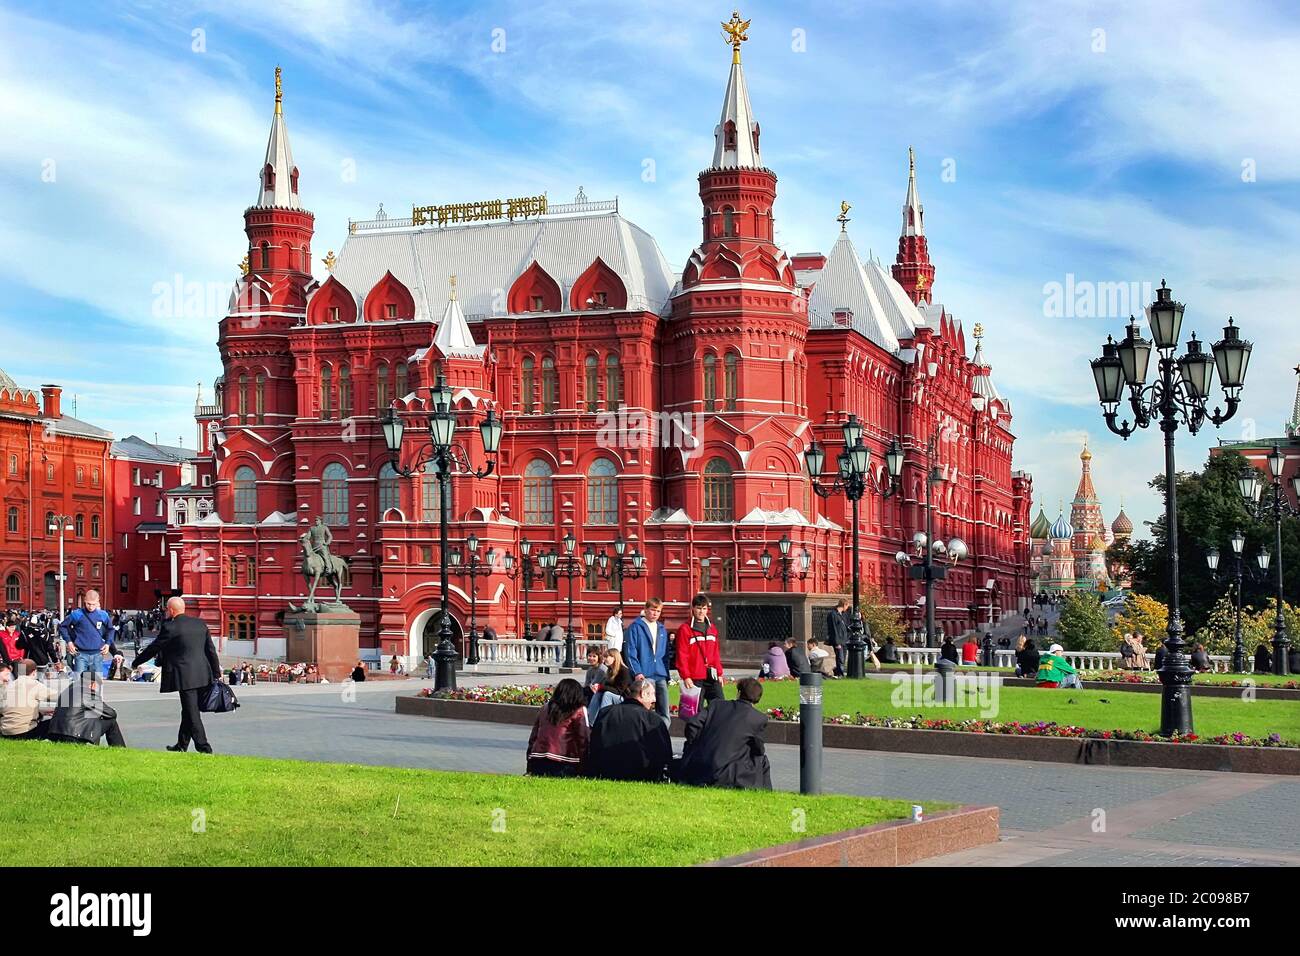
(49, 524)
(243, 399)
(81, 526)
(710, 382)
(381, 388)
(13, 589)
(728, 221)
(592, 366)
(602, 492)
(401, 381)
(730, 380)
(12, 524)
(334, 494)
(261, 398)
(527, 384)
(719, 491)
(326, 392)
(539, 493)
(390, 496)
(245, 496)
(345, 391)
(49, 472)
(550, 386)
(182, 516)
(266, 255)
(613, 383)
(94, 526)
(431, 494)
(306, 254)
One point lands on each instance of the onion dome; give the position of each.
(1122, 524)
(1041, 527)
(1061, 529)
(1098, 543)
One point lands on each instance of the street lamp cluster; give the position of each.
(1177, 396)
(1238, 542)
(785, 572)
(1251, 487)
(853, 479)
(475, 569)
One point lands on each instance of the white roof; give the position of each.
(453, 338)
(487, 257)
(844, 284)
(736, 108)
(899, 308)
(982, 380)
(280, 158)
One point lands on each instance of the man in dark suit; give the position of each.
(837, 632)
(724, 744)
(189, 667)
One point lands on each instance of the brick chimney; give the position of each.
(50, 401)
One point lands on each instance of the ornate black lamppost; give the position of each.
(1251, 490)
(787, 562)
(442, 450)
(568, 565)
(928, 568)
(854, 478)
(622, 565)
(1238, 541)
(523, 570)
(474, 570)
(1177, 396)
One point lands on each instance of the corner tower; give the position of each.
(912, 268)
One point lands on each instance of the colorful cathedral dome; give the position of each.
(1122, 524)
(1041, 528)
(1061, 529)
(1098, 543)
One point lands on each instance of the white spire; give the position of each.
(736, 135)
(913, 212)
(277, 186)
(453, 338)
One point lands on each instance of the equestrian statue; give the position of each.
(317, 563)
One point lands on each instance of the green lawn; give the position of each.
(1093, 709)
(1260, 680)
(261, 812)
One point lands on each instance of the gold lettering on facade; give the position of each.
(520, 208)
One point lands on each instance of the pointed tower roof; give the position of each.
(453, 338)
(1122, 524)
(844, 286)
(982, 381)
(278, 177)
(1085, 493)
(913, 211)
(736, 135)
(1293, 426)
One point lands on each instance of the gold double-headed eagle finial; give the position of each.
(329, 259)
(243, 266)
(279, 92)
(452, 280)
(733, 32)
(979, 330)
(843, 217)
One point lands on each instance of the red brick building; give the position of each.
(568, 321)
(52, 464)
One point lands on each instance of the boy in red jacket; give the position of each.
(699, 653)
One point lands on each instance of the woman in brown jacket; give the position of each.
(557, 747)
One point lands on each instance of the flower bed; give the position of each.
(535, 695)
(1151, 677)
(1038, 729)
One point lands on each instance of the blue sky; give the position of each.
(1112, 142)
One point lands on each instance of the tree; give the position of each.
(1209, 511)
(1141, 615)
(1266, 620)
(883, 620)
(1082, 624)
(1219, 634)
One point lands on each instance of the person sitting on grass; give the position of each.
(970, 651)
(1055, 671)
(631, 741)
(596, 672)
(889, 652)
(948, 650)
(557, 747)
(21, 700)
(82, 716)
(822, 660)
(774, 664)
(1027, 657)
(1200, 659)
(1263, 660)
(611, 690)
(118, 669)
(797, 657)
(724, 744)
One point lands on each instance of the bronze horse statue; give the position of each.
(332, 568)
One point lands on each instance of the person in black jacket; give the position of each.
(82, 717)
(1263, 660)
(724, 744)
(630, 741)
(1027, 659)
(837, 632)
(948, 650)
(796, 655)
(189, 667)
